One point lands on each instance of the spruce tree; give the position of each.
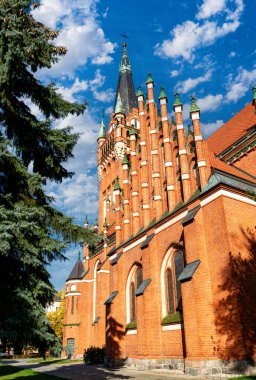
(33, 232)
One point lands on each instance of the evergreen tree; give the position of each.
(32, 232)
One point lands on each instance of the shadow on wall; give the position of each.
(236, 311)
(114, 334)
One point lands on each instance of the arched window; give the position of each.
(172, 267)
(134, 280)
(132, 302)
(178, 267)
(169, 291)
(138, 277)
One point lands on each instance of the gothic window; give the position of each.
(72, 304)
(169, 291)
(139, 277)
(178, 268)
(132, 302)
(172, 267)
(134, 280)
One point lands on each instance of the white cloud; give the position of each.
(210, 102)
(79, 195)
(80, 34)
(105, 14)
(240, 84)
(209, 128)
(210, 8)
(174, 73)
(190, 35)
(232, 54)
(191, 83)
(78, 86)
(105, 96)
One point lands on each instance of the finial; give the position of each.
(119, 105)
(125, 63)
(86, 220)
(150, 79)
(96, 223)
(132, 131)
(102, 133)
(194, 107)
(139, 92)
(125, 160)
(79, 256)
(117, 184)
(254, 93)
(177, 101)
(162, 93)
(105, 224)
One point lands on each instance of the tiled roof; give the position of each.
(233, 130)
(77, 272)
(111, 229)
(224, 167)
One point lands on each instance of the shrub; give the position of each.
(172, 318)
(131, 325)
(94, 355)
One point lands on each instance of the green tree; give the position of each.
(33, 232)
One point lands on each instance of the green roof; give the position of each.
(102, 133)
(132, 131)
(139, 92)
(125, 160)
(150, 79)
(177, 101)
(86, 220)
(162, 94)
(117, 184)
(194, 107)
(254, 92)
(105, 224)
(119, 106)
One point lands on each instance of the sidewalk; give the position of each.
(78, 371)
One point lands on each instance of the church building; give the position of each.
(172, 281)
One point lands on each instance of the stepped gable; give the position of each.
(233, 130)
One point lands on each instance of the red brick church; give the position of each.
(172, 281)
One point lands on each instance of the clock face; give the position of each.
(119, 150)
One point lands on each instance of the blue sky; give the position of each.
(203, 47)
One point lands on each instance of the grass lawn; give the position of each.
(8, 372)
(252, 377)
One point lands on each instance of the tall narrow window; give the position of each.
(169, 285)
(139, 277)
(72, 305)
(178, 264)
(132, 303)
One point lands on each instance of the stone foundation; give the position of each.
(189, 367)
(146, 364)
(215, 367)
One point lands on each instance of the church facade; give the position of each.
(171, 283)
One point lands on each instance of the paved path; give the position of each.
(78, 371)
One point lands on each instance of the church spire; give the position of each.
(125, 87)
